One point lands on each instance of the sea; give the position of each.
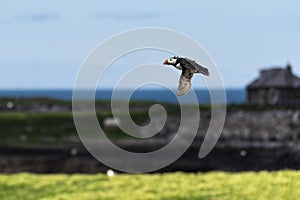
(233, 96)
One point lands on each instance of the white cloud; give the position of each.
(37, 17)
(125, 15)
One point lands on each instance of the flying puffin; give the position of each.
(188, 67)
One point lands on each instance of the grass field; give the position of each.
(27, 129)
(170, 186)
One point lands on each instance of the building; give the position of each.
(276, 86)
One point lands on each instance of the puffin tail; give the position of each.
(204, 71)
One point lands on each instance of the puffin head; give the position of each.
(171, 61)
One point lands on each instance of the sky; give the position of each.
(43, 43)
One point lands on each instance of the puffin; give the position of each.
(188, 68)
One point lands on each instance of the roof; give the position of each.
(276, 78)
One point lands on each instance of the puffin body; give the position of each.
(188, 67)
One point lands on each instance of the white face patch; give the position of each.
(172, 60)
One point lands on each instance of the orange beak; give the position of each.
(165, 62)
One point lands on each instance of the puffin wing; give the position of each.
(199, 68)
(184, 82)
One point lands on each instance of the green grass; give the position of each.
(170, 186)
(22, 129)
(29, 129)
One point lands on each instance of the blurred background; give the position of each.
(255, 46)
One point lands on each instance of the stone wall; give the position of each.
(250, 140)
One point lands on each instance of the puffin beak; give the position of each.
(165, 62)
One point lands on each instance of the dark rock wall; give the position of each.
(250, 140)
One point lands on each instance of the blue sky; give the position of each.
(43, 43)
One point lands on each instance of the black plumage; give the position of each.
(188, 67)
